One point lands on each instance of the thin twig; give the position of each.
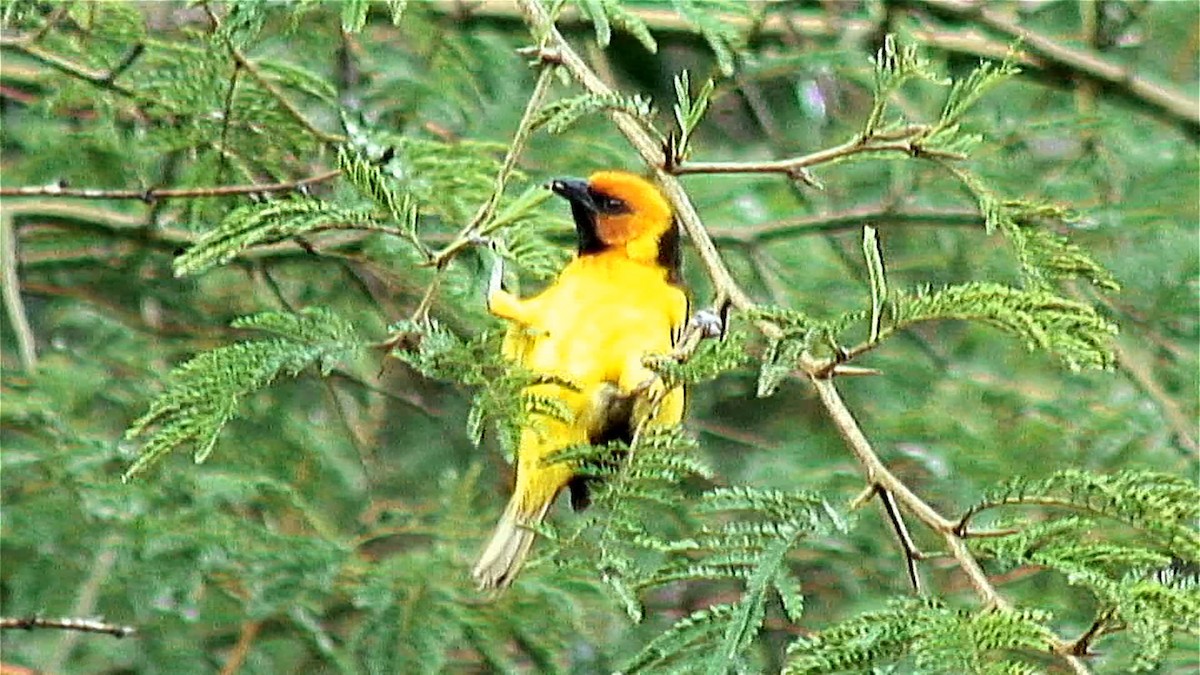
(252, 69)
(80, 625)
(520, 139)
(904, 141)
(101, 79)
(1168, 102)
(150, 195)
(13, 305)
(962, 523)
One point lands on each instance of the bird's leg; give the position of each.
(708, 323)
(500, 302)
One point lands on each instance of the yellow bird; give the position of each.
(616, 302)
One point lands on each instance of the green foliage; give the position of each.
(688, 111)
(720, 34)
(633, 556)
(436, 352)
(1072, 331)
(1138, 586)
(204, 393)
(927, 636)
(561, 115)
(354, 15)
(711, 359)
(525, 228)
(607, 13)
(1043, 254)
(894, 66)
(419, 610)
(261, 224)
(799, 333)
(1165, 507)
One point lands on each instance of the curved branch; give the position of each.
(1174, 105)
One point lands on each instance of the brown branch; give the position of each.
(101, 79)
(665, 20)
(240, 650)
(151, 195)
(1082, 645)
(80, 625)
(1085, 63)
(903, 141)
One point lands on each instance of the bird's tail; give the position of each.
(505, 553)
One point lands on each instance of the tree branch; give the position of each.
(879, 475)
(151, 195)
(1172, 104)
(103, 80)
(904, 141)
(80, 625)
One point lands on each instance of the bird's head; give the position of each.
(615, 210)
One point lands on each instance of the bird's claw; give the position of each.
(708, 322)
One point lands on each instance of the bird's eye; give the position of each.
(611, 204)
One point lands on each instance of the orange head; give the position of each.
(615, 210)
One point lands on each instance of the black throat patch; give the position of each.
(670, 254)
(585, 229)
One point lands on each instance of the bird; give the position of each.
(585, 336)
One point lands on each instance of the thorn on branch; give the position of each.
(911, 553)
(542, 56)
(670, 150)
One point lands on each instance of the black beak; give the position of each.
(574, 190)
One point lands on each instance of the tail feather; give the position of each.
(505, 554)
